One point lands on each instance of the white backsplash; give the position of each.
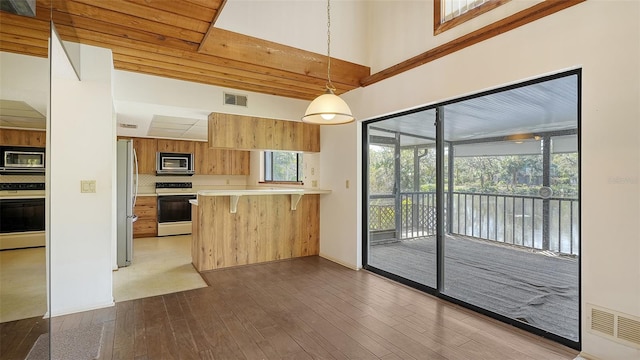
(147, 183)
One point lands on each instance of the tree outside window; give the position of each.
(282, 166)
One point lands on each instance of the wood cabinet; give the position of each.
(147, 211)
(146, 150)
(264, 228)
(230, 131)
(23, 137)
(176, 146)
(207, 161)
(220, 161)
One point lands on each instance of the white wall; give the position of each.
(25, 78)
(602, 38)
(81, 147)
(302, 24)
(340, 215)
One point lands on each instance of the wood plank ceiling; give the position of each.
(178, 39)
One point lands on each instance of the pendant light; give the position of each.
(328, 108)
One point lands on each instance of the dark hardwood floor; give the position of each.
(306, 308)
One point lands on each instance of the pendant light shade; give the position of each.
(328, 109)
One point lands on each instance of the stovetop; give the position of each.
(21, 186)
(174, 185)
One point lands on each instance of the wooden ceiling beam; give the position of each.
(205, 80)
(235, 46)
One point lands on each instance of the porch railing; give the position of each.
(511, 219)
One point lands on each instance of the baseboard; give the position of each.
(83, 309)
(586, 356)
(330, 258)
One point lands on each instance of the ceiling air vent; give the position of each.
(128, 126)
(614, 325)
(234, 99)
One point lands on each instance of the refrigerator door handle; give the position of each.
(135, 188)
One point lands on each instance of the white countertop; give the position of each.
(235, 194)
(265, 191)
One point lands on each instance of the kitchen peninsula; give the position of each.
(240, 227)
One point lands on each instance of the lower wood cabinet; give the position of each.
(147, 211)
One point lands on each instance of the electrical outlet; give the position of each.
(87, 186)
(347, 184)
(314, 183)
(227, 182)
(313, 171)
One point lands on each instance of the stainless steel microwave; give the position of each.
(174, 164)
(22, 160)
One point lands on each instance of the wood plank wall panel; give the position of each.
(252, 133)
(263, 229)
(22, 137)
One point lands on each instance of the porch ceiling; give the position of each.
(543, 107)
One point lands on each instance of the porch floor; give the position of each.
(530, 286)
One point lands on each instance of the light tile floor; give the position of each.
(161, 265)
(23, 285)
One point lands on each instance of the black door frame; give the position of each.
(440, 198)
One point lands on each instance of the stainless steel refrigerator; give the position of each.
(127, 189)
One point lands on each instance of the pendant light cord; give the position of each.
(329, 84)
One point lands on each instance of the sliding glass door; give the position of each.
(402, 197)
(504, 219)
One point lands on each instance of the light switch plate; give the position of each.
(314, 183)
(87, 186)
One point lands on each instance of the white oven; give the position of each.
(22, 215)
(174, 209)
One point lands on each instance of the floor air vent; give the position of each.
(614, 325)
(234, 99)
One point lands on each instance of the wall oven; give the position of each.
(174, 209)
(22, 160)
(22, 215)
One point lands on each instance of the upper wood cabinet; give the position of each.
(176, 146)
(229, 131)
(220, 161)
(23, 137)
(146, 150)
